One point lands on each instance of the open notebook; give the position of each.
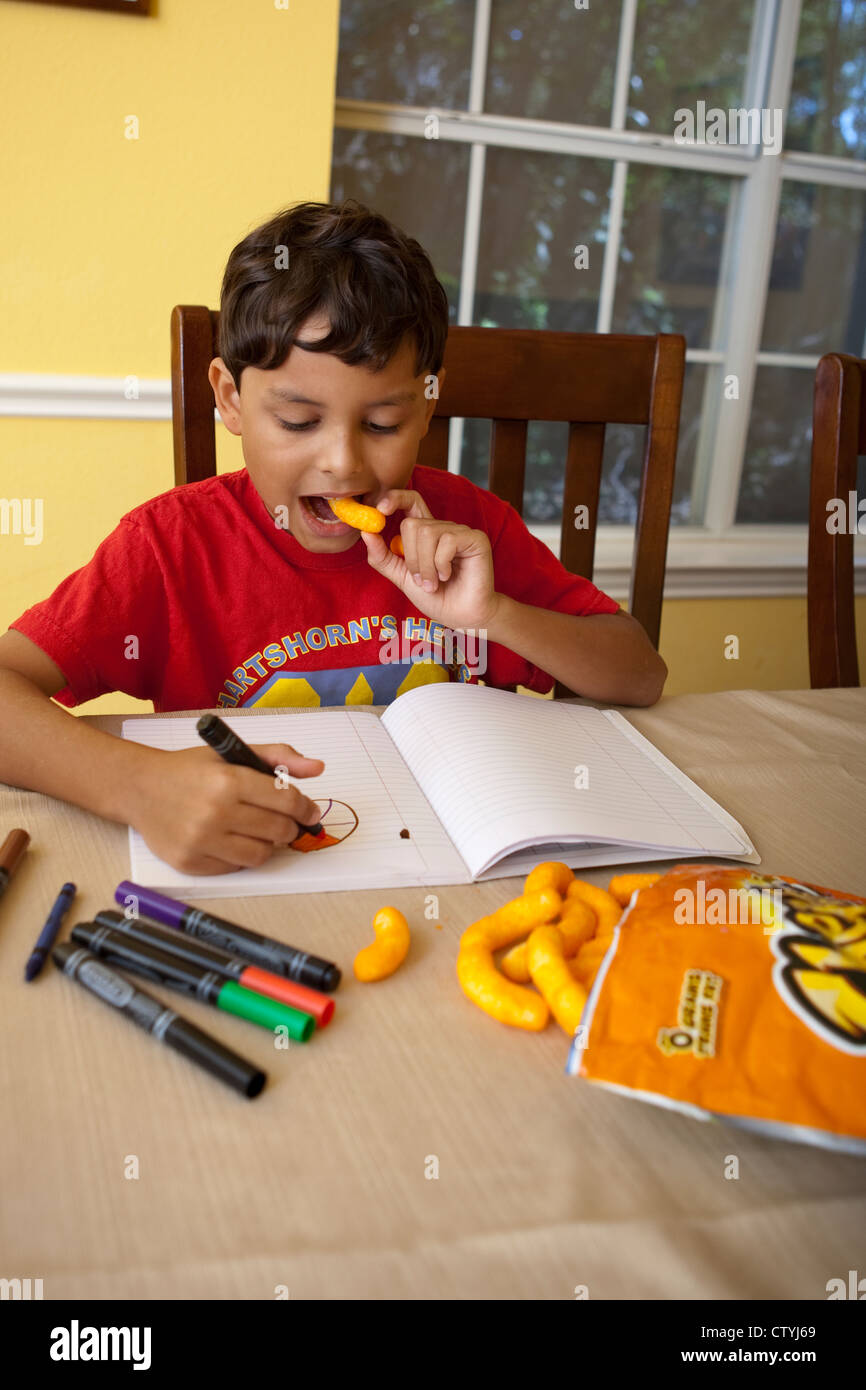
(461, 782)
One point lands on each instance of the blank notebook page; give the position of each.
(500, 771)
(362, 769)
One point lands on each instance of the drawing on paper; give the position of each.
(338, 820)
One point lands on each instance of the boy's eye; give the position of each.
(308, 424)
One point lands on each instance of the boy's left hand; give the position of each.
(447, 571)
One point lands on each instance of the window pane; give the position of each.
(775, 482)
(817, 296)
(623, 460)
(537, 208)
(670, 254)
(827, 112)
(410, 52)
(546, 447)
(549, 61)
(393, 174)
(685, 51)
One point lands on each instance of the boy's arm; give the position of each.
(605, 656)
(194, 811)
(448, 571)
(47, 750)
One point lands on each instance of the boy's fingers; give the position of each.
(445, 552)
(412, 533)
(284, 755)
(380, 557)
(282, 797)
(270, 827)
(428, 538)
(403, 500)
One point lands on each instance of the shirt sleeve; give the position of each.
(527, 570)
(105, 626)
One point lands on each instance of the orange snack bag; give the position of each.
(735, 995)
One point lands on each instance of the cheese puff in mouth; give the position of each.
(355, 513)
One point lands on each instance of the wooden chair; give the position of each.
(510, 376)
(838, 436)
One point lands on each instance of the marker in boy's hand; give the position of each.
(203, 815)
(446, 568)
(231, 747)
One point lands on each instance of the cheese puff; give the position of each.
(551, 874)
(605, 907)
(390, 948)
(623, 885)
(356, 514)
(577, 923)
(564, 995)
(482, 983)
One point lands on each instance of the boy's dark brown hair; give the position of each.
(374, 284)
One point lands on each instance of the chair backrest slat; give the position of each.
(838, 435)
(506, 471)
(582, 489)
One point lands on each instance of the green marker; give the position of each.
(139, 958)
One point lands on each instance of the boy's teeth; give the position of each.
(321, 508)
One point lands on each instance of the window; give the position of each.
(503, 133)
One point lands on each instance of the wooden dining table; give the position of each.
(414, 1148)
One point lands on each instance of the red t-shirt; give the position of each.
(198, 600)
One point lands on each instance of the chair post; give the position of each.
(192, 402)
(657, 483)
(836, 431)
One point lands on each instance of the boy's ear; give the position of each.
(225, 395)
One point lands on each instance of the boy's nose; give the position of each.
(343, 464)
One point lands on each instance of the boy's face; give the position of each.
(353, 436)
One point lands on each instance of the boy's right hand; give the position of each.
(203, 815)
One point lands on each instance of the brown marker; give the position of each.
(11, 855)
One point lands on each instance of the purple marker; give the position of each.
(262, 950)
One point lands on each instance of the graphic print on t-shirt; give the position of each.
(281, 674)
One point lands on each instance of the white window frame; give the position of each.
(719, 557)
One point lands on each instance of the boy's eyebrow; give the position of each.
(281, 393)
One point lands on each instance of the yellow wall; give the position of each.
(773, 651)
(103, 235)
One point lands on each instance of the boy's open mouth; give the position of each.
(320, 507)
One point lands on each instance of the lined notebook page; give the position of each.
(500, 770)
(363, 769)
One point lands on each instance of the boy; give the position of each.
(246, 589)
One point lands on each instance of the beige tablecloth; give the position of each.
(415, 1148)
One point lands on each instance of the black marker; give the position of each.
(243, 972)
(153, 1016)
(261, 950)
(225, 741)
(140, 958)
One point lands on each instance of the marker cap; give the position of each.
(270, 1013)
(309, 1001)
(12, 849)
